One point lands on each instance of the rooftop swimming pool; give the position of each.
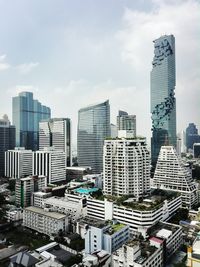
(86, 191)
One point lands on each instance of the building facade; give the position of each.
(163, 102)
(126, 167)
(18, 163)
(50, 163)
(56, 132)
(72, 207)
(193, 253)
(196, 150)
(25, 187)
(133, 254)
(7, 141)
(126, 122)
(27, 113)
(44, 221)
(101, 235)
(93, 128)
(192, 136)
(139, 220)
(163, 241)
(171, 174)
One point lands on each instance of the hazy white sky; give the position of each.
(72, 53)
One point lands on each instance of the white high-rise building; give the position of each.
(126, 166)
(182, 142)
(51, 163)
(18, 163)
(171, 174)
(56, 132)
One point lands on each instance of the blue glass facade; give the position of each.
(27, 113)
(93, 128)
(163, 102)
(7, 141)
(192, 136)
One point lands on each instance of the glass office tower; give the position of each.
(93, 128)
(27, 113)
(126, 122)
(56, 132)
(163, 102)
(192, 136)
(7, 140)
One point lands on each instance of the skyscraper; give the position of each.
(126, 122)
(192, 136)
(126, 167)
(50, 163)
(27, 113)
(18, 163)
(7, 140)
(172, 174)
(93, 128)
(57, 133)
(163, 102)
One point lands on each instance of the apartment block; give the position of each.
(126, 167)
(103, 235)
(173, 175)
(50, 163)
(38, 198)
(18, 163)
(25, 187)
(73, 208)
(44, 221)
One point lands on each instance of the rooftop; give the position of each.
(111, 226)
(152, 202)
(62, 255)
(133, 243)
(51, 214)
(24, 259)
(163, 229)
(94, 105)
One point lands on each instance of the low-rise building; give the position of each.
(138, 215)
(25, 187)
(163, 241)
(44, 221)
(194, 253)
(72, 207)
(97, 258)
(14, 215)
(133, 254)
(170, 234)
(102, 235)
(38, 198)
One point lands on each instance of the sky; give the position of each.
(72, 53)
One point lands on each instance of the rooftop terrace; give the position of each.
(152, 202)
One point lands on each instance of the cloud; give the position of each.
(26, 68)
(180, 18)
(13, 91)
(3, 64)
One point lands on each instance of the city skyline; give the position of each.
(104, 55)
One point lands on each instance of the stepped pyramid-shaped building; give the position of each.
(172, 174)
